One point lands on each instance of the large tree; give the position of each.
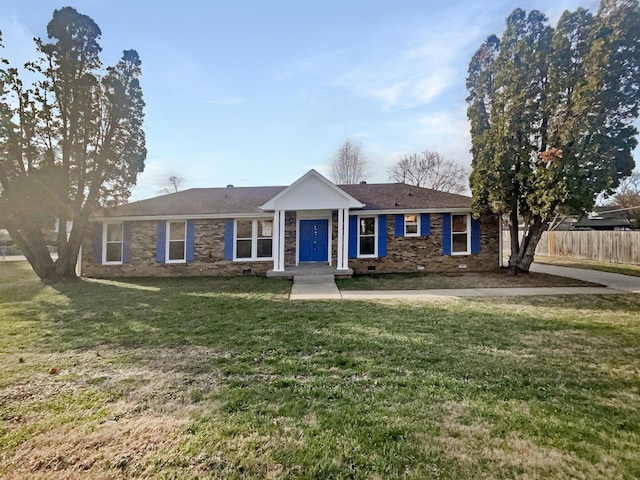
(551, 114)
(349, 164)
(627, 198)
(69, 144)
(430, 169)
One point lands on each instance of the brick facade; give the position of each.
(404, 254)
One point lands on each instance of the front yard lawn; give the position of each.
(225, 378)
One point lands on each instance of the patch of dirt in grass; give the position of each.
(479, 451)
(115, 415)
(128, 447)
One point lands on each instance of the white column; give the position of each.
(278, 241)
(340, 252)
(281, 225)
(344, 215)
(275, 247)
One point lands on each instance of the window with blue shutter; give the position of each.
(228, 239)
(382, 235)
(399, 225)
(475, 236)
(96, 239)
(126, 242)
(425, 224)
(191, 233)
(446, 234)
(353, 236)
(161, 241)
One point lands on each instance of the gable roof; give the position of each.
(312, 191)
(388, 197)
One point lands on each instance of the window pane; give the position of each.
(367, 226)
(266, 228)
(411, 229)
(114, 252)
(243, 249)
(367, 245)
(410, 219)
(114, 232)
(176, 231)
(459, 242)
(459, 223)
(244, 228)
(264, 247)
(176, 250)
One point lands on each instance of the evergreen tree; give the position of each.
(551, 114)
(68, 144)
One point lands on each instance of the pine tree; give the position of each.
(551, 114)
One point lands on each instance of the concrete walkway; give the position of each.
(617, 281)
(323, 287)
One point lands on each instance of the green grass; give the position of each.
(633, 270)
(225, 378)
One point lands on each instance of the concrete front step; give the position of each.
(310, 270)
(314, 287)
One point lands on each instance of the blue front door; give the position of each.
(314, 241)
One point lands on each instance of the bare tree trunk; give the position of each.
(68, 256)
(30, 241)
(523, 250)
(529, 243)
(514, 234)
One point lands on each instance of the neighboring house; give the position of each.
(363, 228)
(601, 218)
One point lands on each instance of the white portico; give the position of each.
(314, 199)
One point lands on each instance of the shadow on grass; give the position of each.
(365, 378)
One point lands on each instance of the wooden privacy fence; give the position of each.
(609, 246)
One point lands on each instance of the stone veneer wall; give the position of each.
(404, 254)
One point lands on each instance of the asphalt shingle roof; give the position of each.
(247, 200)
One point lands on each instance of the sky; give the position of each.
(257, 92)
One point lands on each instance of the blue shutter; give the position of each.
(475, 235)
(425, 224)
(446, 234)
(97, 243)
(382, 235)
(191, 233)
(161, 241)
(353, 236)
(228, 239)
(126, 242)
(399, 226)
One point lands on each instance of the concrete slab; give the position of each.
(626, 283)
(314, 287)
(450, 294)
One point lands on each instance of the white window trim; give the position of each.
(468, 232)
(104, 243)
(167, 243)
(254, 241)
(417, 234)
(375, 237)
